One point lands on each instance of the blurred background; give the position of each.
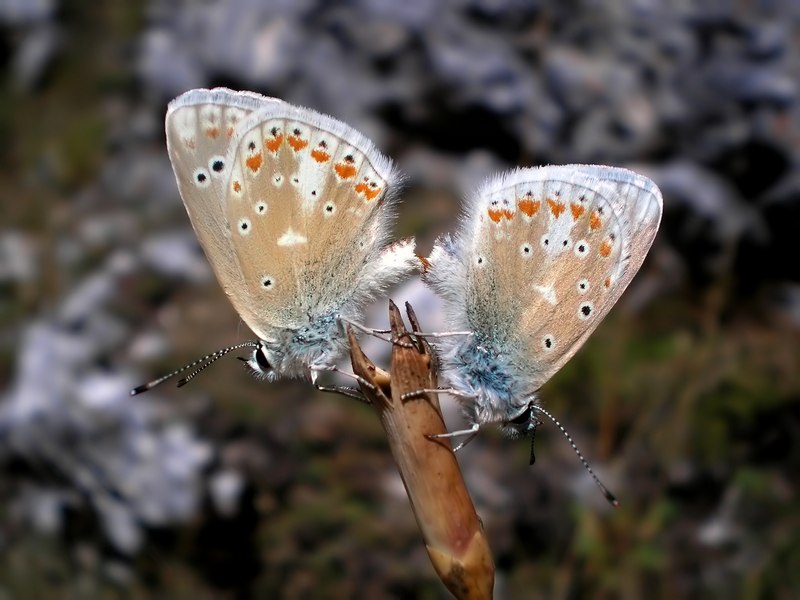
(686, 399)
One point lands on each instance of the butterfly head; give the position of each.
(262, 362)
(522, 424)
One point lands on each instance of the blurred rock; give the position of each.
(34, 55)
(177, 255)
(18, 258)
(25, 12)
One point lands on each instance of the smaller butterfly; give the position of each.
(541, 256)
(293, 210)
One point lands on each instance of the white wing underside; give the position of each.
(540, 258)
(291, 207)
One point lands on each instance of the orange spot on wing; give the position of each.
(370, 191)
(577, 210)
(229, 131)
(605, 249)
(320, 155)
(345, 170)
(556, 207)
(275, 143)
(507, 214)
(212, 132)
(529, 207)
(254, 162)
(297, 143)
(495, 215)
(607, 282)
(594, 220)
(237, 187)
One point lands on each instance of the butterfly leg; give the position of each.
(343, 390)
(451, 391)
(468, 433)
(316, 369)
(442, 334)
(377, 333)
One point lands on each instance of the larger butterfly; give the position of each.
(293, 210)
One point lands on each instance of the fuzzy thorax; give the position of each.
(293, 352)
(498, 386)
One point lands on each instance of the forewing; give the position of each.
(307, 204)
(547, 252)
(200, 126)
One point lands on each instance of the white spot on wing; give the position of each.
(186, 126)
(291, 238)
(216, 166)
(201, 178)
(267, 282)
(245, 226)
(547, 292)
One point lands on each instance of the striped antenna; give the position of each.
(205, 362)
(609, 496)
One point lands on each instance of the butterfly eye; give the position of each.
(261, 359)
(585, 310)
(566, 244)
(481, 261)
(277, 180)
(523, 418)
(583, 286)
(548, 342)
(545, 241)
(329, 209)
(261, 208)
(581, 248)
(201, 178)
(526, 250)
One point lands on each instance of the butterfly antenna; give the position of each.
(206, 361)
(533, 439)
(609, 496)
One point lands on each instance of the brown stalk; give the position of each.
(452, 531)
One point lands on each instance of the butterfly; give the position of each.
(540, 257)
(293, 210)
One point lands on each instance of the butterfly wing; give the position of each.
(292, 208)
(200, 125)
(308, 206)
(540, 258)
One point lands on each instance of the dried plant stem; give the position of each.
(453, 534)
